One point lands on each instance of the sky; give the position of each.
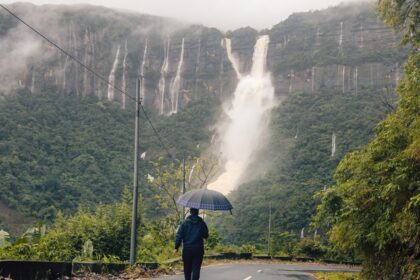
(222, 14)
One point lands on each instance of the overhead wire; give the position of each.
(95, 74)
(156, 133)
(67, 53)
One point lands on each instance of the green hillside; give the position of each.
(60, 152)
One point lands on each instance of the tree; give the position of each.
(374, 208)
(403, 15)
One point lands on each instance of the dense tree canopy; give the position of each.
(403, 15)
(61, 152)
(374, 208)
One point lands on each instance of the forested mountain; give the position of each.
(66, 137)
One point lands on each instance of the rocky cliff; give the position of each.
(344, 47)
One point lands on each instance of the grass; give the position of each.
(337, 276)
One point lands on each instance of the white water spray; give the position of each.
(313, 78)
(64, 73)
(197, 64)
(356, 78)
(162, 80)
(340, 39)
(143, 156)
(291, 76)
(253, 99)
(111, 77)
(318, 34)
(333, 144)
(232, 58)
(192, 170)
(176, 83)
(124, 83)
(95, 82)
(143, 63)
(86, 62)
(33, 82)
(397, 73)
(76, 65)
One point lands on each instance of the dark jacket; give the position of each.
(191, 233)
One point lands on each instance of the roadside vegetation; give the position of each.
(337, 276)
(373, 207)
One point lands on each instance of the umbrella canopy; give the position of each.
(205, 199)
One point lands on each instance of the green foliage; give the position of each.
(4, 239)
(337, 276)
(283, 244)
(61, 152)
(102, 235)
(377, 190)
(84, 236)
(402, 15)
(213, 240)
(56, 153)
(156, 243)
(310, 248)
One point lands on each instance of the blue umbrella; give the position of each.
(205, 199)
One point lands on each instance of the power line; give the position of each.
(95, 74)
(155, 131)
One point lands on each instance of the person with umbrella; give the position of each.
(193, 230)
(191, 234)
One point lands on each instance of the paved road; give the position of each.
(260, 272)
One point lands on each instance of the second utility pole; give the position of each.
(133, 243)
(269, 232)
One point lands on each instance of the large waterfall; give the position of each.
(242, 135)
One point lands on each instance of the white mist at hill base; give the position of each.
(248, 120)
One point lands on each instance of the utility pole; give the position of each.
(269, 231)
(133, 243)
(183, 186)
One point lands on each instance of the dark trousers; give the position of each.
(192, 258)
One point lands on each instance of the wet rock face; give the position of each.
(345, 48)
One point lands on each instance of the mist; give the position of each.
(222, 14)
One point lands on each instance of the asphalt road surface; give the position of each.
(261, 271)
